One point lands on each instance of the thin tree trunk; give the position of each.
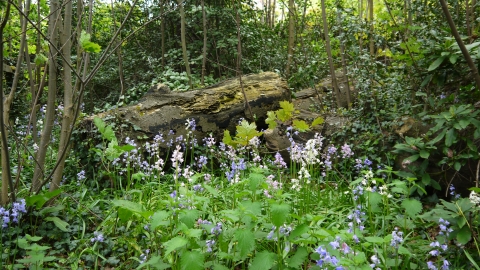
(204, 51)
(239, 65)
(162, 30)
(38, 173)
(6, 172)
(329, 54)
(68, 112)
(291, 36)
(464, 50)
(184, 42)
(467, 21)
(344, 64)
(372, 39)
(360, 17)
(272, 20)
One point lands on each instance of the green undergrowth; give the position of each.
(223, 205)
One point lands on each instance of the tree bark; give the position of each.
(464, 50)
(6, 172)
(329, 54)
(291, 36)
(344, 65)
(204, 51)
(68, 112)
(38, 173)
(372, 38)
(184, 42)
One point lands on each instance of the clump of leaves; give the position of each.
(286, 115)
(245, 132)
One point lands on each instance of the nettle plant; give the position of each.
(452, 139)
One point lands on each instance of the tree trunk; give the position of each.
(360, 17)
(184, 42)
(464, 50)
(291, 36)
(6, 172)
(204, 51)
(344, 65)
(162, 30)
(372, 38)
(68, 112)
(329, 54)
(39, 173)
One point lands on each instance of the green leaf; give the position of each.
(300, 125)
(192, 260)
(464, 235)
(457, 166)
(155, 262)
(174, 243)
(271, 120)
(263, 260)
(412, 207)
(424, 153)
(318, 121)
(438, 138)
(158, 218)
(287, 106)
(227, 139)
(436, 63)
(450, 137)
(189, 217)
(375, 239)
(40, 59)
(87, 45)
(453, 58)
(217, 266)
(62, 225)
(100, 124)
(297, 260)
(298, 231)
(472, 261)
(246, 242)
(279, 214)
(40, 199)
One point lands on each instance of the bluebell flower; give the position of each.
(98, 237)
(210, 244)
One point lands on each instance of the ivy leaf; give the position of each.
(279, 213)
(263, 261)
(318, 121)
(174, 243)
(192, 260)
(300, 125)
(271, 120)
(412, 207)
(246, 241)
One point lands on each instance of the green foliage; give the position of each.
(287, 114)
(452, 137)
(245, 132)
(87, 45)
